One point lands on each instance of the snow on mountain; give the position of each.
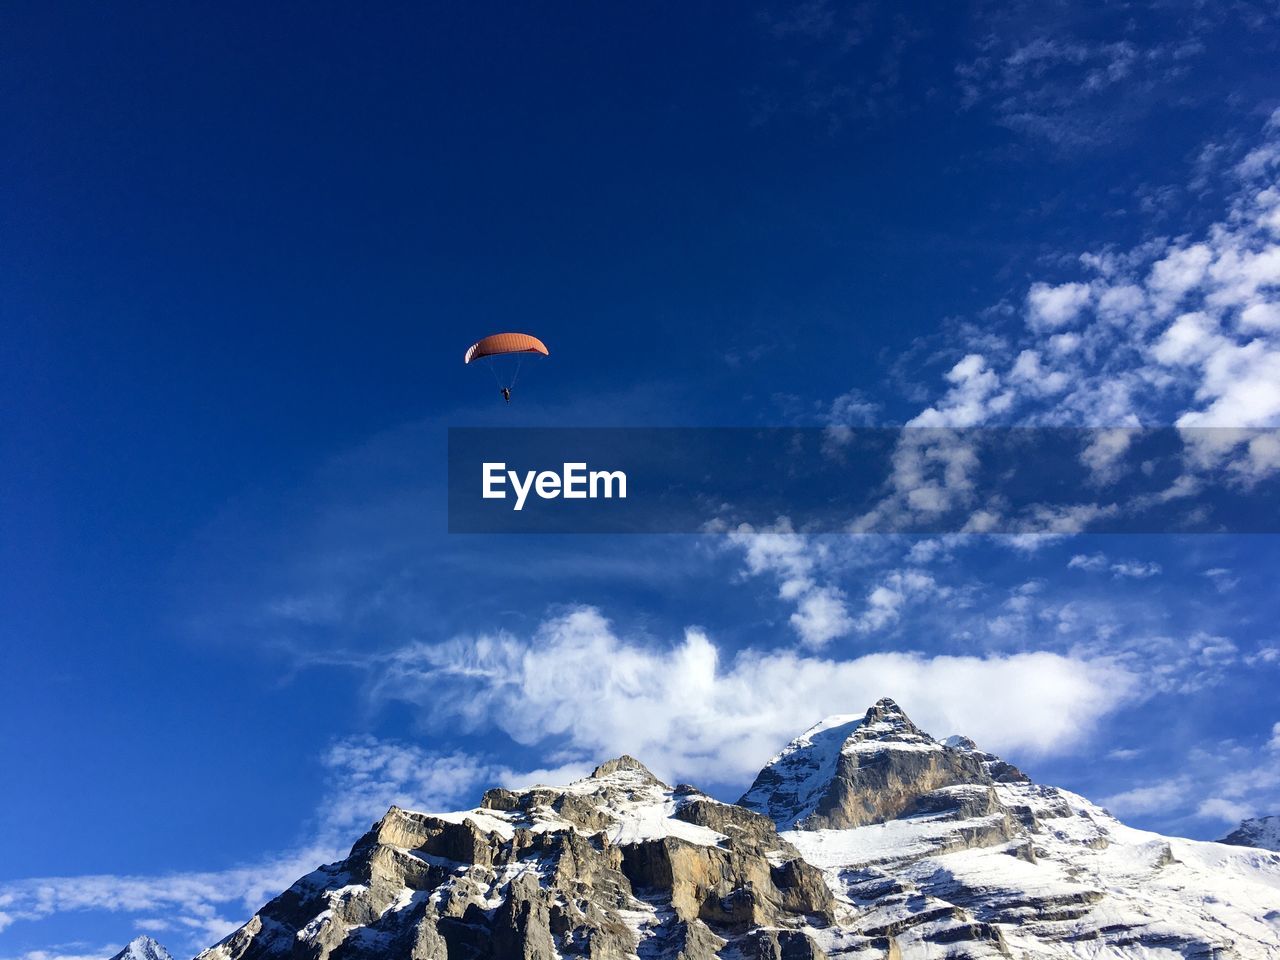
(973, 859)
(1261, 832)
(598, 868)
(143, 948)
(892, 845)
(846, 772)
(791, 784)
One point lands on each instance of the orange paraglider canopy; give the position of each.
(502, 343)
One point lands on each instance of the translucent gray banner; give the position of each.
(825, 480)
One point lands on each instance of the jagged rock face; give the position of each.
(1000, 771)
(892, 845)
(882, 767)
(591, 870)
(1261, 832)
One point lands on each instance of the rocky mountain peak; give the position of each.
(624, 764)
(846, 772)
(886, 709)
(999, 769)
(143, 948)
(1261, 832)
(886, 722)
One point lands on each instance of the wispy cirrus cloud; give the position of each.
(1099, 562)
(194, 909)
(1062, 78)
(78, 950)
(200, 906)
(1220, 784)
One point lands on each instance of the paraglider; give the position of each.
(495, 350)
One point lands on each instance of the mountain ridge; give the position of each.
(1263, 832)
(863, 838)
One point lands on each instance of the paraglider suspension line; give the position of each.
(493, 368)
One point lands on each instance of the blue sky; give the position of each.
(244, 251)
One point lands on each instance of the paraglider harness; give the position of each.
(506, 388)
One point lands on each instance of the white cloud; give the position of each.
(694, 716)
(1123, 753)
(70, 951)
(973, 397)
(821, 613)
(886, 600)
(1163, 796)
(1189, 339)
(1033, 375)
(1135, 569)
(1050, 307)
(1223, 580)
(1103, 454)
(1260, 317)
(1068, 88)
(1179, 271)
(1228, 811)
(933, 471)
(371, 775)
(197, 902)
(1274, 742)
(1225, 782)
(853, 409)
(195, 909)
(1096, 562)
(1182, 333)
(821, 616)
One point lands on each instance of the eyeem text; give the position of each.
(573, 482)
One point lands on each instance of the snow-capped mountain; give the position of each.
(864, 838)
(947, 845)
(143, 948)
(1261, 832)
(593, 869)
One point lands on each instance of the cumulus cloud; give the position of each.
(1104, 454)
(932, 473)
(1182, 332)
(1050, 307)
(822, 612)
(974, 396)
(694, 714)
(821, 616)
(887, 598)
